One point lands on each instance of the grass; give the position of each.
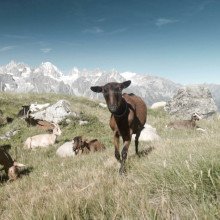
(179, 179)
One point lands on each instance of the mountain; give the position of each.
(19, 77)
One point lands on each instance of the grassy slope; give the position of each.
(180, 178)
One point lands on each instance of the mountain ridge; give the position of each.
(20, 77)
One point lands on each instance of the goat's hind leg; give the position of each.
(137, 142)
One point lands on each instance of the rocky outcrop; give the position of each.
(54, 113)
(191, 99)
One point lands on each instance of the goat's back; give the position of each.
(5, 159)
(95, 145)
(138, 105)
(181, 124)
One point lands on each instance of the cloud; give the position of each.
(165, 21)
(203, 5)
(120, 30)
(46, 50)
(3, 49)
(93, 30)
(15, 36)
(101, 20)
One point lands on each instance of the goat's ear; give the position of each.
(125, 84)
(96, 89)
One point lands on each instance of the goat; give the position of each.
(183, 124)
(128, 116)
(86, 147)
(9, 165)
(43, 140)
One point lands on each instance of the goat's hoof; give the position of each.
(122, 170)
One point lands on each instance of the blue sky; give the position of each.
(178, 40)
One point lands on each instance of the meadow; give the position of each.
(179, 178)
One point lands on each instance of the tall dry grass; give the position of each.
(178, 179)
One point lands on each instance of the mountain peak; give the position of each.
(48, 69)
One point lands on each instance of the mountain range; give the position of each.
(20, 77)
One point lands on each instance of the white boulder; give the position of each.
(66, 150)
(149, 133)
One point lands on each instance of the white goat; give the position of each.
(43, 140)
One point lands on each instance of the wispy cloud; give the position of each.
(198, 8)
(165, 21)
(3, 49)
(203, 5)
(46, 50)
(19, 37)
(101, 20)
(120, 30)
(93, 30)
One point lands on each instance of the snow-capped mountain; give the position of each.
(48, 69)
(19, 77)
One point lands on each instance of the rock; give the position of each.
(103, 105)
(148, 134)
(54, 113)
(189, 100)
(83, 122)
(9, 134)
(66, 150)
(157, 105)
(34, 107)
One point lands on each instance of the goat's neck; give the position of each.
(122, 110)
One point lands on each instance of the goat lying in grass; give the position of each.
(186, 124)
(10, 166)
(128, 116)
(43, 140)
(86, 146)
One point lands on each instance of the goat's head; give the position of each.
(56, 130)
(195, 117)
(112, 93)
(78, 144)
(13, 170)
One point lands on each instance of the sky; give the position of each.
(177, 40)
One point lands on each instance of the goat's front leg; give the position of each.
(116, 143)
(124, 154)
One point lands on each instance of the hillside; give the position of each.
(178, 179)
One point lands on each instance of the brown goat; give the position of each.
(86, 147)
(184, 124)
(9, 165)
(128, 116)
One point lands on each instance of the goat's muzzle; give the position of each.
(113, 108)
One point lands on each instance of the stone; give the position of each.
(54, 113)
(149, 133)
(191, 99)
(66, 150)
(157, 105)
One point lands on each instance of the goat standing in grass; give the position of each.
(43, 140)
(128, 116)
(10, 166)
